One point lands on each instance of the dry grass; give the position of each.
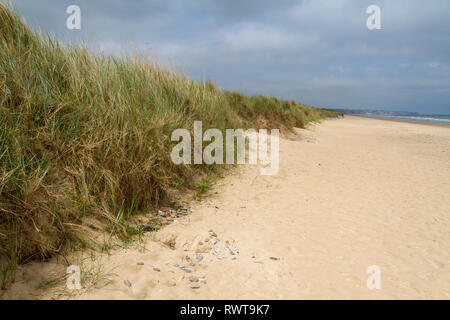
(83, 135)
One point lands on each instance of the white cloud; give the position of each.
(433, 64)
(252, 37)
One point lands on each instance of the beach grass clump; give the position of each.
(86, 136)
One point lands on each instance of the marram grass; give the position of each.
(86, 136)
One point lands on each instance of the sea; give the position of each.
(430, 119)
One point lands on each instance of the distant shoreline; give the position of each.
(415, 121)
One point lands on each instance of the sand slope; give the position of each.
(349, 194)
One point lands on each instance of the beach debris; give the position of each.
(140, 263)
(193, 279)
(162, 213)
(199, 258)
(127, 283)
(171, 283)
(214, 241)
(274, 258)
(170, 214)
(231, 251)
(156, 269)
(186, 270)
(195, 285)
(146, 228)
(213, 234)
(206, 239)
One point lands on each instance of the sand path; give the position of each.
(349, 194)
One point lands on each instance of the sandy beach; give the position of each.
(350, 193)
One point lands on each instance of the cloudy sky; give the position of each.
(318, 52)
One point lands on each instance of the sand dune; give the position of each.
(350, 193)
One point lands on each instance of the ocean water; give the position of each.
(433, 119)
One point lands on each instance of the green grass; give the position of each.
(203, 187)
(85, 135)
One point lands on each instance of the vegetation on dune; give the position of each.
(88, 136)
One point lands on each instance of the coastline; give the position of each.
(401, 121)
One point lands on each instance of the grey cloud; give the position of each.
(316, 51)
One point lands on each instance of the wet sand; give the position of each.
(350, 193)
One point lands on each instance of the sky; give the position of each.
(317, 52)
